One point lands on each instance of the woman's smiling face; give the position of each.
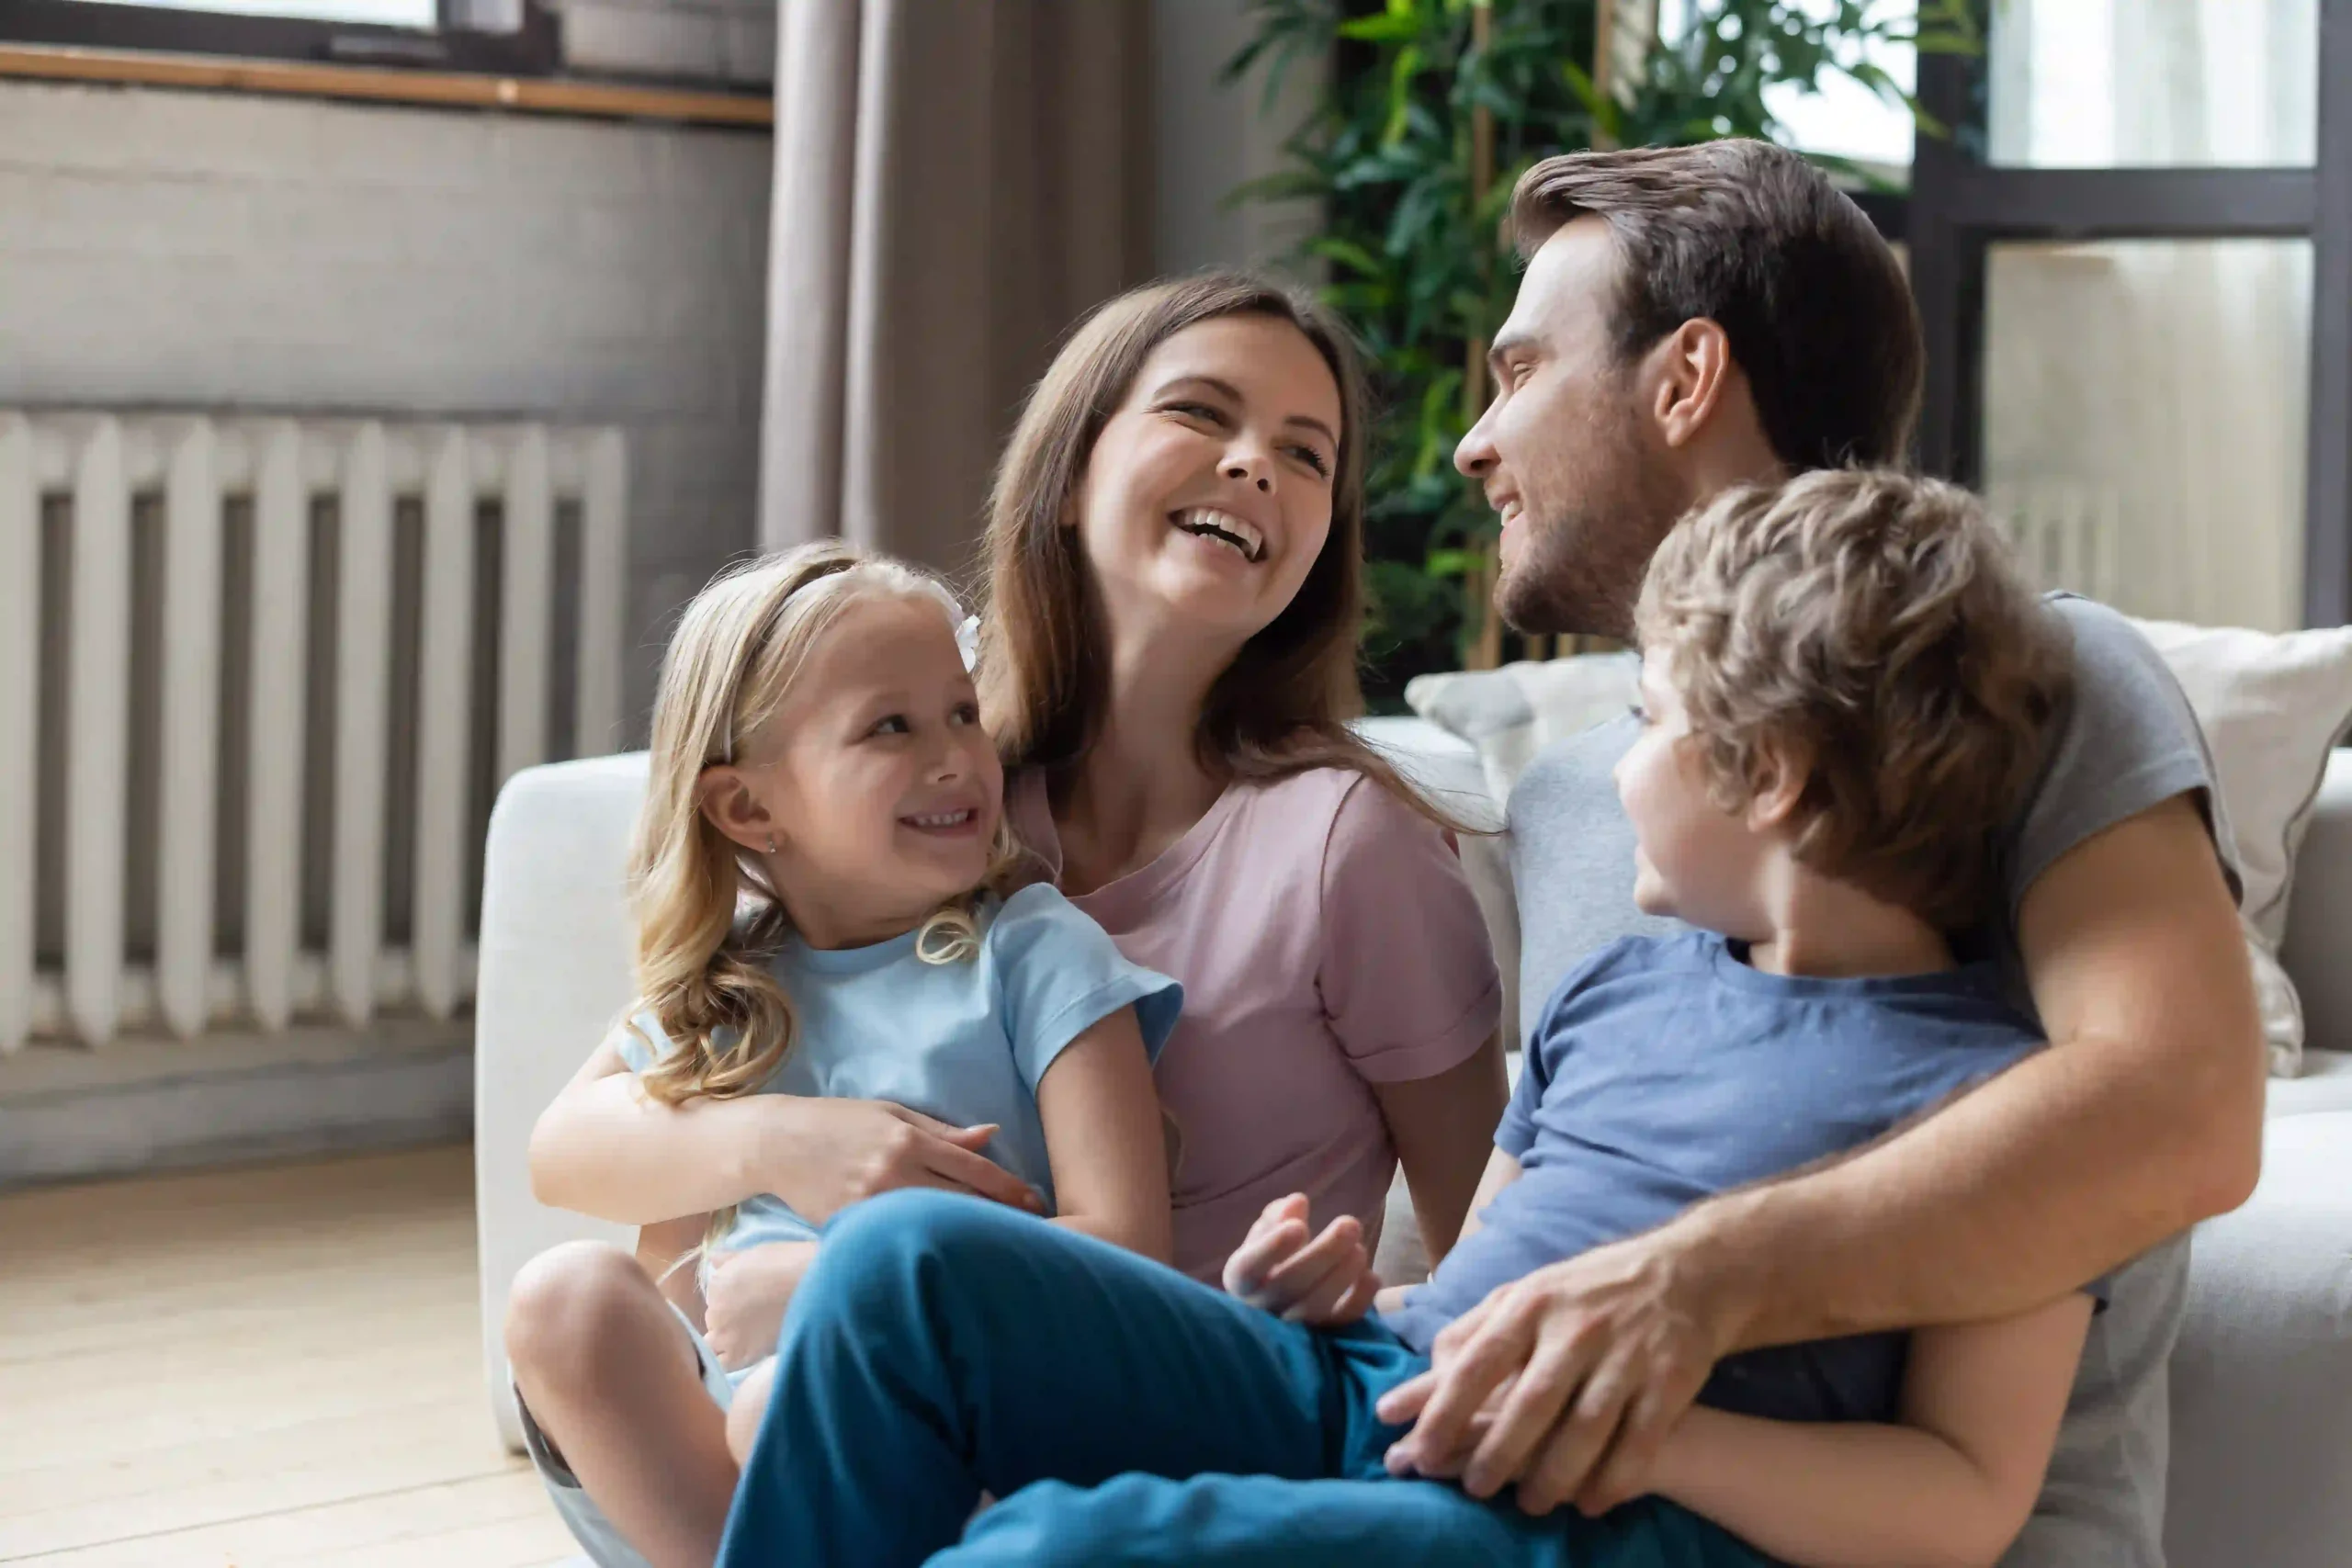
(1208, 497)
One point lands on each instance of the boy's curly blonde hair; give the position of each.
(1875, 627)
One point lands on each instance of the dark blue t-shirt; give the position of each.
(1666, 1070)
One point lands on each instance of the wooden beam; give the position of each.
(601, 100)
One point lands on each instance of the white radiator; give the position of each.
(2067, 535)
(259, 679)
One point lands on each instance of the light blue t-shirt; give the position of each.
(966, 1041)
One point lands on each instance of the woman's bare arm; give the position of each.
(1443, 1128)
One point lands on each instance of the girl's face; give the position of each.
(879, 788)
(1208, 497)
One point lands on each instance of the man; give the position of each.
(1695, 317)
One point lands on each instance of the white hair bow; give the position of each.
(967, 641)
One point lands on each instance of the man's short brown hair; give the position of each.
(1754, 238)
(1873, 626)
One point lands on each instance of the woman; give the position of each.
(1175, 567)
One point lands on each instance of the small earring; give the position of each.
(771, 843)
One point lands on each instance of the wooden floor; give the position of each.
(250, 1367)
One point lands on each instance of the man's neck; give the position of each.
(1823, 927)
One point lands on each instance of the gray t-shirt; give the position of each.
(2126, 742)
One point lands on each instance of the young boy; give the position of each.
(1846, 690)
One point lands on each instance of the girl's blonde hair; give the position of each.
(708, 918)
(1283, 706)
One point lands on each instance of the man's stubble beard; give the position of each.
(1581, 572)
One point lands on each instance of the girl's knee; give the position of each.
(750, 1407)
(569, 1307)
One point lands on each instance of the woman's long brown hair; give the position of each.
(1281, 706)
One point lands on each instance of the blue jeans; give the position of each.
(942, 1347)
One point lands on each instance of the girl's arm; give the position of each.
(1443, 1128)
(605, 1148)
(1104, 1138)
(1949, 1488)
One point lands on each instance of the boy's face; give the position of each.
(1692, 859)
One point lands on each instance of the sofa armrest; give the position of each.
(555, 976)
(2321, 911)
(2262, 1376)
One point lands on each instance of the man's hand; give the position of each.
(743, 1307)
(1282, 1267)
(858, 1148)
(1567, 1381)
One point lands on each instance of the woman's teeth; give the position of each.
(1210, 523)
(941, 818)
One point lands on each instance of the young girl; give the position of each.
(817, 871)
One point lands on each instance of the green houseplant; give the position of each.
(1431, 110)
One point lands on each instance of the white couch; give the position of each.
(2261, 1463)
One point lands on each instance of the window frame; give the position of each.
(1960, 206)
(450, 45)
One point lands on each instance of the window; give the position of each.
(379, 13)
(2133, 264)
(508, 38)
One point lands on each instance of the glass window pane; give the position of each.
(387, 13)
(2114, 83)
(2144, 421)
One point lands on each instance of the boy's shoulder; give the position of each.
(1678, 954)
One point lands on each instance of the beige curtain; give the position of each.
(956, 181)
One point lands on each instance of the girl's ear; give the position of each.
(727, 801)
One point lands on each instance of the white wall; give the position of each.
(214, 250)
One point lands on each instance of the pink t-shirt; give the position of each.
(1326, 941)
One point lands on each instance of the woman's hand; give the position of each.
(829, 1154)
(744, 1300)
(1281, 1266)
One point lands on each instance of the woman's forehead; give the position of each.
(1261, 357)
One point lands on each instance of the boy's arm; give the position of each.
(1949, 1488)
(1105, 1140)
(1502, 1169)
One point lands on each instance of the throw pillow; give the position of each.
(1511, 714)
(2272, 706)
